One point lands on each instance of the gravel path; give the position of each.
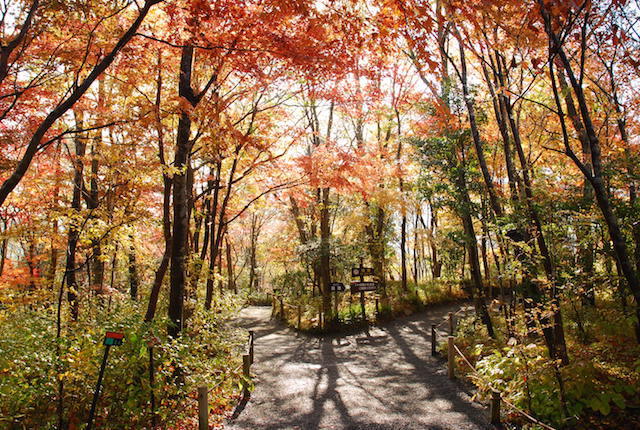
(384, 380)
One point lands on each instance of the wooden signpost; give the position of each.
(362, 286)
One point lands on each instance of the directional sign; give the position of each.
(361, 287)
(335, 287)
(361, 271)
(112, 338)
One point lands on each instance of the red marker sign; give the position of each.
(112, 338)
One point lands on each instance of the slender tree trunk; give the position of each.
(252, 252)
(472, 250)
(555, 338)
(585, 243)
(134, 281)
(179, 242)
(166, 205)
(202, 223)
(53, 267)
(403, 222)
(3, 254)
(376, 249)
(415, 251)
(97, 283)
(220, 284)
(496, 205)
(74, 233)
(499, 110)
(325, 270)
(231, 283)
(213, 241)
(436, 264)
(114, 265)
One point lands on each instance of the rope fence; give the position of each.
(201, 393)
(496, 397)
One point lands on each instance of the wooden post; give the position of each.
(451, 355)
(433, 340)
(273, 306)
(299, 316)
(495, 407)
(362, 304)
(451, 326)
(246, 372)
(377, 307)
(282, 309)
(203, 408)
(251, 337)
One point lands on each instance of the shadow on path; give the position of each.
(386, 380)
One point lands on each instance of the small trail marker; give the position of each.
(111, 338)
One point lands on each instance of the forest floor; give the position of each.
(383, 379)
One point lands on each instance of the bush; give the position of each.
(35, 365)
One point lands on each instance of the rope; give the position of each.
(511, 405)
(465, 360)
(190, 394)
(446, 320)
(526, 415)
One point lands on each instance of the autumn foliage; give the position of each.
(164, 162)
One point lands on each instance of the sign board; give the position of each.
(361, 271)
(112, 338)
(361, 287)
(335, 287)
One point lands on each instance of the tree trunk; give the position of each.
(499, 111)
(555, 338)
(496, 206)
(179, 242)
(583, 232)
(231, 284)
(464, 211)
(416, 279)
(325, 271)
(436, 264)
(74, 233)
(97, 283)
(252, 252)
(403, 222)
(166, 206)
(3, 254)
(213, 241)
(376, 249)
(134, 281)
